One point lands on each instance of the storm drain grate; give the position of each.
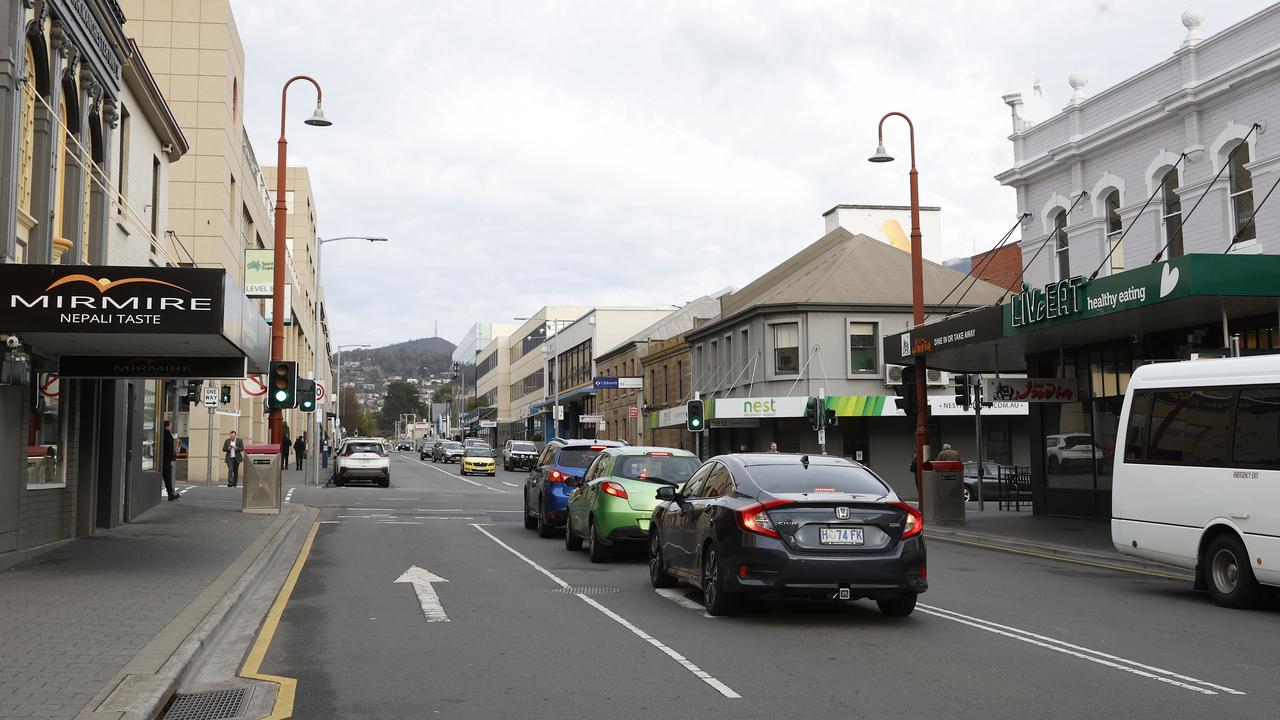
(588, 590)
(212, 705)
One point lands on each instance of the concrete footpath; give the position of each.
(1077, 540)
(101, 627)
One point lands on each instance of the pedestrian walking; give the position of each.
(168, 454)
(915, 458)
(233, 455)
(773, 446)
(947, 453)
(300, 450)
(285, 444)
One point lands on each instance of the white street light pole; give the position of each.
(317, 343)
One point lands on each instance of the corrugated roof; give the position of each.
(846, 269)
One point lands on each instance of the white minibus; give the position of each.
(1197, 473)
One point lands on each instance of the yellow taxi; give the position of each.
(478, 460)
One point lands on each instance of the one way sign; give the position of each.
(209, 398)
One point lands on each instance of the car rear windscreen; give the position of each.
(354, 448)
(577, 457)
(523, 447)
(782, 479)
(477, 452)
(671, 469)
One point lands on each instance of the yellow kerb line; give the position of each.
(1016, 551)
(288, 686)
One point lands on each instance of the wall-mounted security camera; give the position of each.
(13, 342)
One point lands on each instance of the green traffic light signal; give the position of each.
(284, 381)
(694, 421)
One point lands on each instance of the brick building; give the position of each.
(1001, 267)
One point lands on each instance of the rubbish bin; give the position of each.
(944, 492)
(261, 479)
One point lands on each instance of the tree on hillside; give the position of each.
(402, 398)
(354, 418)
(442, 394)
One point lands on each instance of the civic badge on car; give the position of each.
(842, 513)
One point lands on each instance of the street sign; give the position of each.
(488, 423)
(590, 419)
(319, 390)
(635, 412)
(618, 383)
(209, 397)
(558, 411)
(822, 437)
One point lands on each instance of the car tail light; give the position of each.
(556, 476)
(753, 518)
(597, 447)
(614, 489)
(914, 524)
(658, 453)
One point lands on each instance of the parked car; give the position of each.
(612, 503)
(546, 495)
(519, 455)
(404, 445)
(1070, 450)
(478, 460)
(475, 442)
(991, 474)
(757, 523)
(362, 458)
(447, 451)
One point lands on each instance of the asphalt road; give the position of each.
(997, 636)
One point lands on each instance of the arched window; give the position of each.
(1171, 214)
(1115, 228)
(1061, 246)
(1241, 195)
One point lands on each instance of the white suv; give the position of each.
(1070, 449)
(362, 458)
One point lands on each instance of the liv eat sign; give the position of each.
(1055, 300)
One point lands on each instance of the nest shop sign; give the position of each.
(1053, 301)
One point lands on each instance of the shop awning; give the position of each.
(1186, 291)
(135, 321)
(581, 392)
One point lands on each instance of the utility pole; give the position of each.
(977, 429)
(208, 471)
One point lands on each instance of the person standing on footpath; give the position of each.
(285, 444)
(947, 453)
(773, 447)
(233, 454)
(300, 450)
(168, 454)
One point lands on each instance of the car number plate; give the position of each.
(840, 536)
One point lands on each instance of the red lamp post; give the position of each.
(317, 119)
(917, 296)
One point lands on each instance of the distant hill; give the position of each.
(412, 358)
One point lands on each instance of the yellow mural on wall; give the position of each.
(893, 232)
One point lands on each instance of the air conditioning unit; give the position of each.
(893, 376)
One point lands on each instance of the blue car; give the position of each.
(546, 495)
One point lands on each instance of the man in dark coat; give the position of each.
(233, 455)
(168, 454)
(285, 444)
(300, 450)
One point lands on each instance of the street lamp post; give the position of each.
(318, 344)
(917, 296)
(317, 119)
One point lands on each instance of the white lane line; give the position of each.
(457, 477)
(441, 517)
(437, 509)
(328, 522)
(697, 672)
(288, 497)
(1095, 656)
(678, 597)
(504, 482)
(398, 522)
(369, 508)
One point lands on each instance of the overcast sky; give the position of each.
(528, 153)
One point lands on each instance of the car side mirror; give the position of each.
(573, 481)
(668, 493)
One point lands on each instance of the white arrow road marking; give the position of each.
(427, 597)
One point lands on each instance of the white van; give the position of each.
(1197, 473)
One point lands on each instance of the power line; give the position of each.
(1182, 223)
(1083, 194)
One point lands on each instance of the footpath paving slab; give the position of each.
(78, 615)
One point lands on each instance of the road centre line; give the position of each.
(1095, 656)
(697, 672)
(504, 482)
(456, 477)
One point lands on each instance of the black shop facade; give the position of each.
(93, 361)
(1069, 349)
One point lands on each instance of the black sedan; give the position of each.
(790, 525)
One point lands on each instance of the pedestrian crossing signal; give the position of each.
(226, 395)
(695, 422)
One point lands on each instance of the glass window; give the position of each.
(46, 461)
(1208, 427)
(1242, 194)
(672, 469)
(1168, 418)
(1115, 228)
(1135, 435)
(863, 358)
(1171, 213)
(796, 478)
(786, 349)
(150, 425)
(694, 486)
(1062, 247)
(577, 457)
(1257, 433)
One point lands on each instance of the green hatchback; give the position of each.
(611, 503)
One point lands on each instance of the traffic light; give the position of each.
(193, 391)
(829, 417)
(906, 400)
(226, 395)
(306, 395)
(963, 397)
(282, 392)
(695, 422)
(811, 413)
